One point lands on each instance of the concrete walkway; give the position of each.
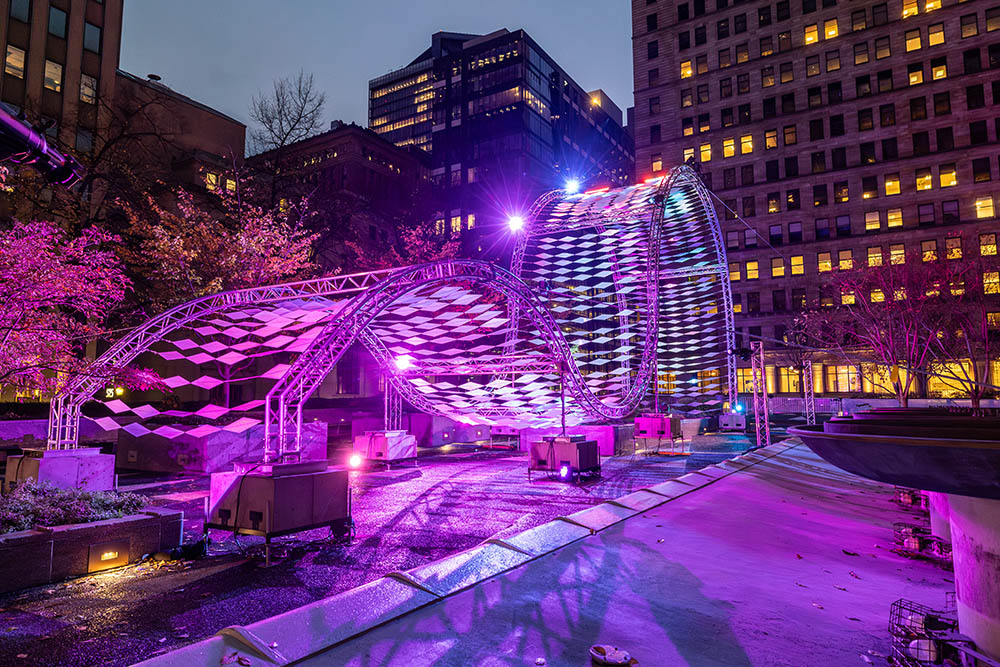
(775, 558)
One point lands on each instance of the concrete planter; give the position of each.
(49, 554)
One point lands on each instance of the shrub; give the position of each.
(35, 504)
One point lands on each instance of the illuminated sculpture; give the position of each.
(605, 287)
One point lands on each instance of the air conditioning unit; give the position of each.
(278, 499)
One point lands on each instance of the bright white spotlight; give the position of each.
(403, 362)
(354, 461)
(572, 186)
(564, 472)
(516, 223)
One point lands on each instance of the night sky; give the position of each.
(223, 52)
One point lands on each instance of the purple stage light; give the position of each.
(404, 362)
(354, 461)
(564, 472)
(516, 223)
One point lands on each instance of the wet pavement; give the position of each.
(405, 516)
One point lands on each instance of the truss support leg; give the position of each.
(393, 407)
(762, 423)
(807, 386)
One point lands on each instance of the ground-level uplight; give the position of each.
(354, 461)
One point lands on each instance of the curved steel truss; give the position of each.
(607, 290)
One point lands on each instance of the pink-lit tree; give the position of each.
(230, 241)
(416, 244)
(55, 295)
(180, 253)
(889, 316)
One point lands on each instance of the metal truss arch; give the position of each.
(609, 292)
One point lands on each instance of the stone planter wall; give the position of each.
(45, 555)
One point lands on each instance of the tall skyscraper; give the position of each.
(840, 133)
(502, 123)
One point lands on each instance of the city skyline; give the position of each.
(232, 60)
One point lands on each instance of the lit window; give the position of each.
(705, 152)
(752, 271)
(470, 221)
(894, 217)
(877, 296)
(439, 227)
(939, 69)
(770, 139)
(935, 34)
(988, 244)
(909, 8)
(88, 89)
(812, 34)
(824, 262)
(891, 184)
(931, 5)
(777, 267)
(456, 224)
(53, 76)
(14, 64)
(984, 206)
(688, 154)
(915, 74)
(211, 180)
(897, 254)
(875, 256)
(798, 265)
(899, 294)
(872, 221)
(913, 40)
(845, 260)
(734, 272)
(686, 70)
(953, 248)
(847, 297)
(830, 28)
(746, 144)
(925, 179)
(991, 282)
(657, 162)
(948, 176)
(728, 147)
(928, 250)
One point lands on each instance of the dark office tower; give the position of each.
(842, 133)
(503, 123)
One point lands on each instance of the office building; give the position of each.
(502, 123)
(833, 134)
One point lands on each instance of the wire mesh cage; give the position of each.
(916, 635)
(910, 535)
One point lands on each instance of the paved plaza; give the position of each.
(405, 517)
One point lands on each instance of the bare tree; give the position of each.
(969, 340)
(291, 112)
(890, 316)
